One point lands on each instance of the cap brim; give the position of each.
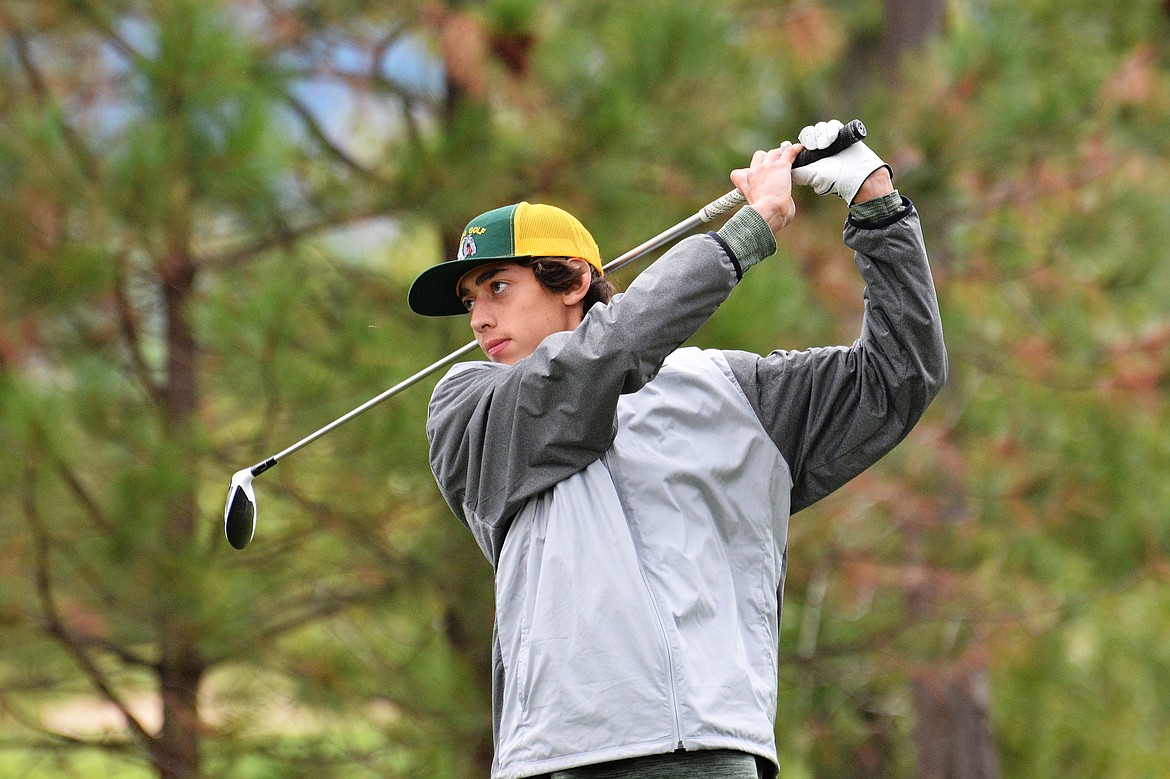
(433, 293)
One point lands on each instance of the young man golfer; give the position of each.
(633, 496)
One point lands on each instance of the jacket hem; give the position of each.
(613, 754)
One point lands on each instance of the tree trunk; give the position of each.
(952, 731)
(907, 25)
(176, 752)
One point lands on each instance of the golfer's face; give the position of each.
(511, 312)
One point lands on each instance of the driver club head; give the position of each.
(239, 515)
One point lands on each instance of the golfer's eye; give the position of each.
(498, 286)
(468, 303)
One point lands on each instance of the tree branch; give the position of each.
(56, 625)
(318, 133)
(81, 494)
(286, 237)
(93, 510)
(50, 740)
(382, 46)
(327, 605)
(120, 43)
(364, 81)
(40, 87)
(377, 77)
(128, 326)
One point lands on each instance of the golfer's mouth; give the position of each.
(495, 346)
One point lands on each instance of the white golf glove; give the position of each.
(844, 172)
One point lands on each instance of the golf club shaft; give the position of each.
(849, 135)
(710, 211)
(369, 404)
(713, 209)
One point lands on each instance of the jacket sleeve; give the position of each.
(502, 434)
(833, 412)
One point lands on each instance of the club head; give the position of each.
(239, 516)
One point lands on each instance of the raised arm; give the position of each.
(835, 411)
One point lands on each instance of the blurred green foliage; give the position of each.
(210, 211)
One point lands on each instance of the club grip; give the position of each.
(846, 137)
(733, 199)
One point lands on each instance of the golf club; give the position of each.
(240, 512)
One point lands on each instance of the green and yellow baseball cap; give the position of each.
(514, 232)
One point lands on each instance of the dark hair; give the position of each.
(557, 274)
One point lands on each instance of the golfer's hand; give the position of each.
(767, 184)
(844, 173)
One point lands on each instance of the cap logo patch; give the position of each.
(467, 247)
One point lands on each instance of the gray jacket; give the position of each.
(633, 498)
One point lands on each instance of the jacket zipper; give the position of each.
(671, 683)
(672, 689)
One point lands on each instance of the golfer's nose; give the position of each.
(481, 317)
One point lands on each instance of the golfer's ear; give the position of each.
(576, 293)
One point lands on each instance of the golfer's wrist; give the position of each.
(877, 208)
(879, 183)
(748, 236)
